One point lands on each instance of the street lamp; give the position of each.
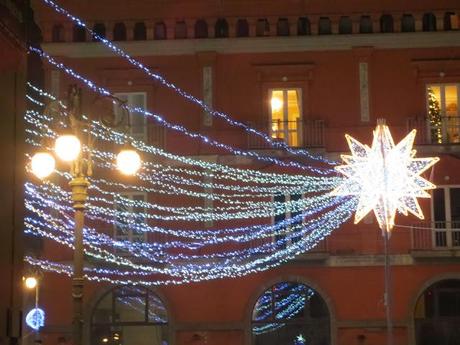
(68, 148)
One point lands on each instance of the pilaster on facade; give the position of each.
(334, 24)
(150, 29)
(190, 25)
(170, 28)
(293, 25)
(129, 30)
(418, 18)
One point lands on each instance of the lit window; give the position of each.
(443, 112)
(136, 122)
(286, 116)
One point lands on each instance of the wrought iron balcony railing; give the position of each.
(436, 235)
(446, 130)
(307, 133)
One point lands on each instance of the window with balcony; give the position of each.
(79, 33)
(443, 113)
(446, 217)
(130, 211)
(135, 122)
(286, 116)
(119, 32)
(160, 31)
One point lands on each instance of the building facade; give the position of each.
(306, 73)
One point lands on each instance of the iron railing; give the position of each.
(445, 131)
(436, 235)
(307, 133)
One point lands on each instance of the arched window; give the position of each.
(119, 32)
(129, 315)
(282, 27)
(365, 25)
(180, 30)
(345, 25)
(57, 34)
(79, 33)
(290, 313)
(99, 29)
(407, 23)
(386, 23)
(262, 27)
(303, 26)
(429, 22)
(140, 31)
(324, 26)
(437, 313)
(242, 28)
(221, 28)
(201, 29)
(160, 31)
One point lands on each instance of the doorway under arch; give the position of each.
(437, 314)
(129, 315)
(290, 313)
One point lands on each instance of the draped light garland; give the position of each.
(158, 78)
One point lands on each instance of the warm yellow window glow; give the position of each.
(42, 164)
(128, 162)
(67, 147)
(285, 116)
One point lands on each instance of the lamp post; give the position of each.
(68, 147)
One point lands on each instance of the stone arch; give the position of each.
(292, 279)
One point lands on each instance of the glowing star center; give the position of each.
(385, 177)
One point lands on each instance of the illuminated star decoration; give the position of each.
(300, 340)
(385, 177)
(35, 318)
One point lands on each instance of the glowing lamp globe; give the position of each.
(30, 282)
(43, 164)
(128, 162)
(67, 147)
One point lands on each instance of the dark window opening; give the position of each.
(160, 31)
(365, 25)
(119, 32)
(140, 31)
(429, 22)
(303, 26)
(201, 29)
(99, 29)
(407, 23)
(262, 27)
(79, 34)
(345, 25)
(282, 27)
(242, 28)
(180, 31)
(221, 28)
(57, 34)
(386, 23)
(324, 26)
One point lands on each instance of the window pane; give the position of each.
(439, 208)
(277, 114)
(156, 310)
(455, 206)
(293, 117)
(435, 113)
(130, 308)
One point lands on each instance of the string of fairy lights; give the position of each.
(181, 267)
(160, 79)
(180, 219)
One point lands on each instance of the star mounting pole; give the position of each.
(386, 179)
